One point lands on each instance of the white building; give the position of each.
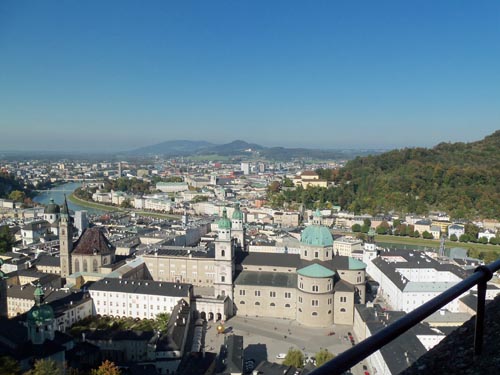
(408, 279)
(143, 299)
(488, 234)
(345, 245)
(456, 229)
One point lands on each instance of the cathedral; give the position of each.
(315, 288)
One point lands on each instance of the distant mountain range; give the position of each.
(241, 148)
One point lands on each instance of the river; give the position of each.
(57, 193)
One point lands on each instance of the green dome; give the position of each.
(40, 315)
(317, 213)
(52, 208)
(224, 222)
(316, 235)
(316, 270)
(237, 214)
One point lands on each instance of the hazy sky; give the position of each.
(116, 75)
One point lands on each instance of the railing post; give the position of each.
(481, 301)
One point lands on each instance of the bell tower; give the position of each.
(224, 260)
(65, 240)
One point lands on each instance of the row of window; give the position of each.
(315, 288)
(272, 304)
(272, 294)
(316, 254)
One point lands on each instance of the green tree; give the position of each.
(454, 237)
(161, 321)
(483, 240)
(287, 182)
(356, 228)
(383, 228)
(426, 235)
(126, 203)
(294, 358)
(199, 198)
(9, 366)
(471, 230)
(106, 368)
(494, 241)
(17, 196)
(45, 367)
(7, 240)
(323, 356)
(464, 238)
(490, 256)
(274, 187)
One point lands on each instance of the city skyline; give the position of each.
(119, 76)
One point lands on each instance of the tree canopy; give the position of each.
(106, 368)
(323, 356)
(294, 358)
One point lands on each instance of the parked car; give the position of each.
(281, 356)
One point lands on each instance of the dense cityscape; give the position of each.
(174, 265)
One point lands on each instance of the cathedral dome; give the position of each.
(316, 235)
(52, 208)
(237, 214)
(224, 222)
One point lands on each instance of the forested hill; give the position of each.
(462, 179)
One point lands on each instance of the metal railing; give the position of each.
(344, 361)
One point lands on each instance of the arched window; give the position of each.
(300, 310)
(223, 253)
(77, 265)
(257, 303)
(272, 304)
(342, 310)
(85, 268)
(314, 313)
(287, 305)
(223, 279)
(329, 312)
(94, 265)
(242, 302)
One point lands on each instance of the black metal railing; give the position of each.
(344, 361)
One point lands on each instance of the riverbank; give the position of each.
(107, 208)
(398, 240)
(98, 206)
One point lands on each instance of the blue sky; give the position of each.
(116, 75)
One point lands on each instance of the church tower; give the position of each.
(40, 319)
(224, 260)
(370, 248)
(65, 240)
(238, 232)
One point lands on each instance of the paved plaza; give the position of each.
(265, 338)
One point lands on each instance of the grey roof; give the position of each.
(271, 368)
(269, 259)
(178, 251)
(277, 279)
(414, 259)
(48, 261)
(173, 339)
(160, 288)
(470, 300)
(404, 350)
(230, 359)
(343, 286)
